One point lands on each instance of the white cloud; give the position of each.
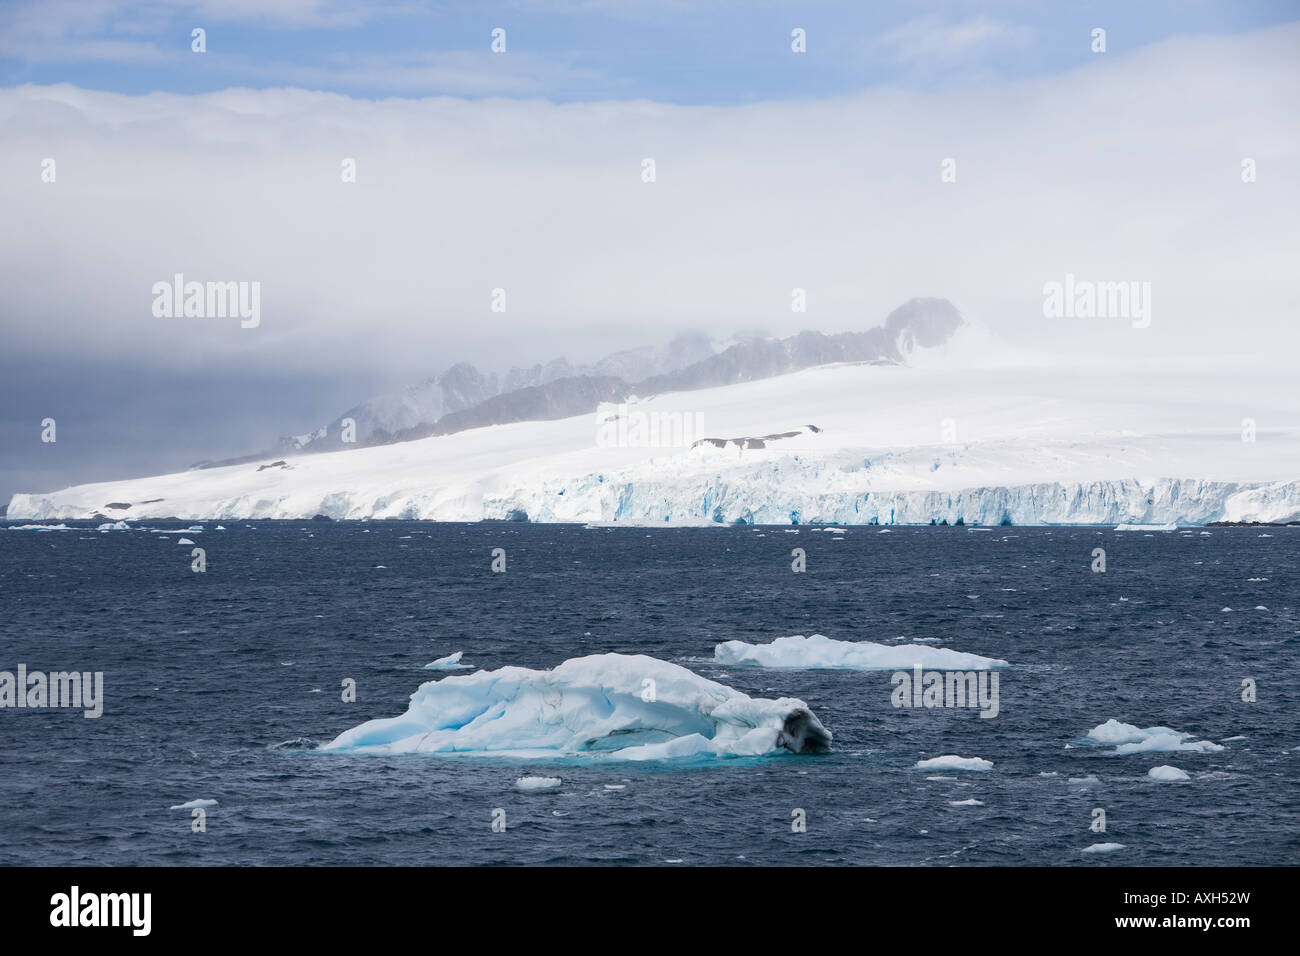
(1126, 170)
(933, 41)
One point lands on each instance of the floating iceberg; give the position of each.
(953, 762)
(538, 783)
(1134, 740)
(449, 663)
(623, 706)
(1171, 526)
(193, 805)
(1167, 773)
(114, 526)
(819, 651)
(1102, 848)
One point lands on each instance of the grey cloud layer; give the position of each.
(1126, 170)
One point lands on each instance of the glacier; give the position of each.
(846, 444)
(616, 706)
(819, 651)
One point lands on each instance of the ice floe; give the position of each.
(1167, 772)
(818, 651)
(953, 762)
(621, 706)
(1129, 739)
(449, 663)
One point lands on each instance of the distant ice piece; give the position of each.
(821, 652)
(1102, 848)
(621, 706)
(538, 783)
(953, 762)
(1132, 740)
(114, 526)
(1167, 773)
(1171, 526)
(449, 663)
(194, 805)
(184, 541)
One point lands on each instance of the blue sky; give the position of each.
(674, 51)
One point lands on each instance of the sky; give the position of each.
(969, 150)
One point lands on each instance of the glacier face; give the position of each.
(889, 445)
(620, 706)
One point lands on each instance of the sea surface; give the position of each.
(220, 686)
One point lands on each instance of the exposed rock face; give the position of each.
(560, 399)
(463, 397)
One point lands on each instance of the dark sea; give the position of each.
(220, 686)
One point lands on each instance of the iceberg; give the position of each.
(621, 706)
(449, 663)
(193, 805)
(820, 652)
(1167, 772)
(1102, 848)
(954, 762)
(1129, 739)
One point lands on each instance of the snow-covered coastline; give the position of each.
(891, 445)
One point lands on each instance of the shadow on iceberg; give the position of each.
(628, 707)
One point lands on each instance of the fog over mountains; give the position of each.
(924, 419)
(463, 397)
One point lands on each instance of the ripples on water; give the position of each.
(220, 685)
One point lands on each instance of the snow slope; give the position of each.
(984, 442)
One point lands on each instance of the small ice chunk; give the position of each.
(954, 762)
(1131, 740)
(1103, 848)
(1166, 772)
(449, 663)
(531, 783)
(194, 805)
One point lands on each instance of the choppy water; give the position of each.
(218, 684)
